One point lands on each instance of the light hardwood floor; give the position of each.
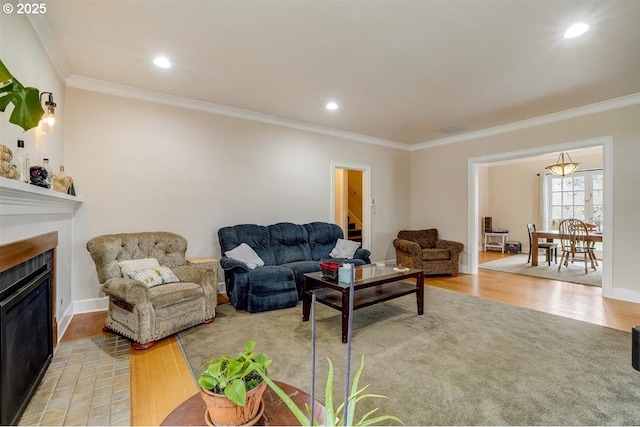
(161, 380)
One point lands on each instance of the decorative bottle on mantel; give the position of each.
(49, 173)
(22, 158)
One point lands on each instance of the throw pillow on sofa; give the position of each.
(130, 265)
(245, 253)
(154, 276)
(344, 249)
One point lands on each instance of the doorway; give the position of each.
(351, 201)
(474, 192)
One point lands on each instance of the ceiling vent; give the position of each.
(454, 128)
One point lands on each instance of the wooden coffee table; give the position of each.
(373, 285)
(191, 412)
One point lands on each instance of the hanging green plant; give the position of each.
(27, 110)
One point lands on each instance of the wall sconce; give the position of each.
(563, 168)
(48, 119)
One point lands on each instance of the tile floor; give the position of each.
(87, 383)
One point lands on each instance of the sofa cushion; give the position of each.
(436, 254)
(290, 242)
(174, 293)
(322, 238)
(244, 253)
(256, 236)
(425, 238)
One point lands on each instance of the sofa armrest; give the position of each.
(129, 290)
(408, 253)
(363, 254)
(230, 264)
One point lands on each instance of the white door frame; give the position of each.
(473, 219)
(366, 198)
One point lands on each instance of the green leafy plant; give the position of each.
(333, 417)
(233, 376)
(27, 110)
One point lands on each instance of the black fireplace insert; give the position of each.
(26, 333)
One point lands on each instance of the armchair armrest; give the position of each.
(454, 247)
(129, 290)
(408, 253)
(204, 276)
(207, 278)
(407, 246)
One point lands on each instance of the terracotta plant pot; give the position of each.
(223, 412)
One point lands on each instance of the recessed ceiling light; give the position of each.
(162, 62)
(576, 30)
(332, 106)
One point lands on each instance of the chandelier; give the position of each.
(563, 168)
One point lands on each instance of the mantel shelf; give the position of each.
(19, 198)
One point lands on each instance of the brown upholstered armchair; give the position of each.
(423, 250)
(146, 313)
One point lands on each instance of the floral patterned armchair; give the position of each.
(423, 250)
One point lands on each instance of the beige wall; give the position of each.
(445, 205)
(24, 56)
(143, 166)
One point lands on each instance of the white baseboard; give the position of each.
(621, 294)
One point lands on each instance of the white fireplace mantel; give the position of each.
(19, 198)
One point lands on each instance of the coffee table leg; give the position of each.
(420, 293)
(345, 315)
(306, 301)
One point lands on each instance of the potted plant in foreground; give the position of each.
(232, 387)
(332, 416)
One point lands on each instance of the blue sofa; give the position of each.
(288, 251)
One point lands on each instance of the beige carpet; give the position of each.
(574, 273)
(466, 361)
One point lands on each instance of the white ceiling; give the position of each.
(400, 70)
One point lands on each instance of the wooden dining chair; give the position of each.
(551, 248)
(574, 239)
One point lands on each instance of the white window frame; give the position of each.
(588, 198)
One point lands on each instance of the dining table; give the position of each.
(551, 235)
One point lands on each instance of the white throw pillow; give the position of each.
(344, 249)
(154, 276)
(130, 265)
(245, 253)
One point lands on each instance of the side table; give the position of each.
(191, 412)
(495, 241)
(204, 262)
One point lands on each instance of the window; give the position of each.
(579, 196)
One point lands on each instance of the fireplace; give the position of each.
(27, 320)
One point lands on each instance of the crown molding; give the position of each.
(598, 107)
(40, 26)
(115, 89)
